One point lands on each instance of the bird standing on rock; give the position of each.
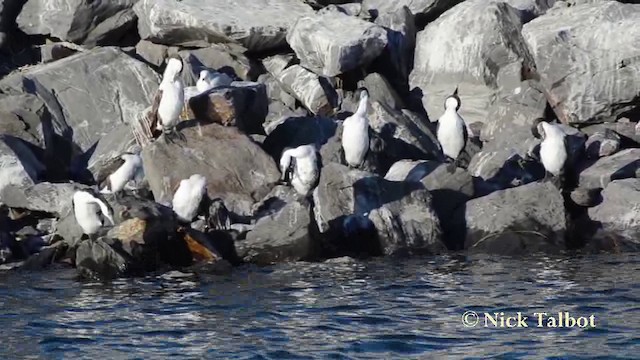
(169, 100)
(553, 148)
(300, 165)
(452, 131)
(187, 199)
(87, 209)
(355, 133)
(118, 172)
(212, 79)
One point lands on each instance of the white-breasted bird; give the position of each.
(300, 166)
(212, 79)
(113, 177)
(355, 133)
(187, 199)
(87, 209)
(169, 100)
(452, 131)
(553, 148)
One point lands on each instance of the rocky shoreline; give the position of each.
(77, 81)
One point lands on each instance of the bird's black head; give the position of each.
(453, 100)
(362, 92)
(536, 129)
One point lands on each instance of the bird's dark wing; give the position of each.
(153, 114)
(109, 168)
(465, 133)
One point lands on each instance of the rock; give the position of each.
(351, 9)
(602, 144)
(349, 42)
(302, 130)
(77, 21)
(449, 189)
(626, 130)
(429, 9)
(618, 216)
(281, 235)
(276, 94)
(622, 165)
(257, 25)
(485, 57)
(115, 143)
(592, 86)
(381, 91)
(154, 54)
(243, 105)
(227, 58)
(522, 220)
(314, 92)
(401, 42)
(237, 169)
(103, 88)
(278, 114)
(53, 198)
(26, 117)
(95, 259)
(404, 137)
(531, 9)
(56, 51)
(405, 221)
(515, 112)
(400, 212)
(18, 165)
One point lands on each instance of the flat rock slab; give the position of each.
(333, 43)
(476, 46)
(256, 24)
(78, 21)
(18, 165)
(314, 92)
(237, 169)
(588, 58)
(622, 165)
(429, 8)
(619, 214)
(521, 220)
(54, 198)
(89, 93)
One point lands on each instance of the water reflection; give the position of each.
(383, 308)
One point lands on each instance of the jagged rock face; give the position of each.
(475, 46)
(257, 25)
(521, 220)
(103, 88)
(349, 42)
(18, 165)
(237, 169)
(594, 85)
(78, 21)
(618, 217)
(625, 164)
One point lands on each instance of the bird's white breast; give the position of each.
(355, 139)
(87, 217)
(553, 155)
(171, 103)
(451, 134)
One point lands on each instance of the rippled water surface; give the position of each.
(343, 308)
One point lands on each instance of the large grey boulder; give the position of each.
(426, 8)
(89, 93)
(53, 198)
(314, 92)
(521, 220)
(346, 42)
(618, 216)
(397, 58)
(622, 165)
(476, 46)
(78, 21)
(282, 233)
(397, 215)
(255, 24)
(586, 56)
(237, 170)
(515, 112)
(602, 143)
(18, 165)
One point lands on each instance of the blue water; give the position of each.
(341, 309)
